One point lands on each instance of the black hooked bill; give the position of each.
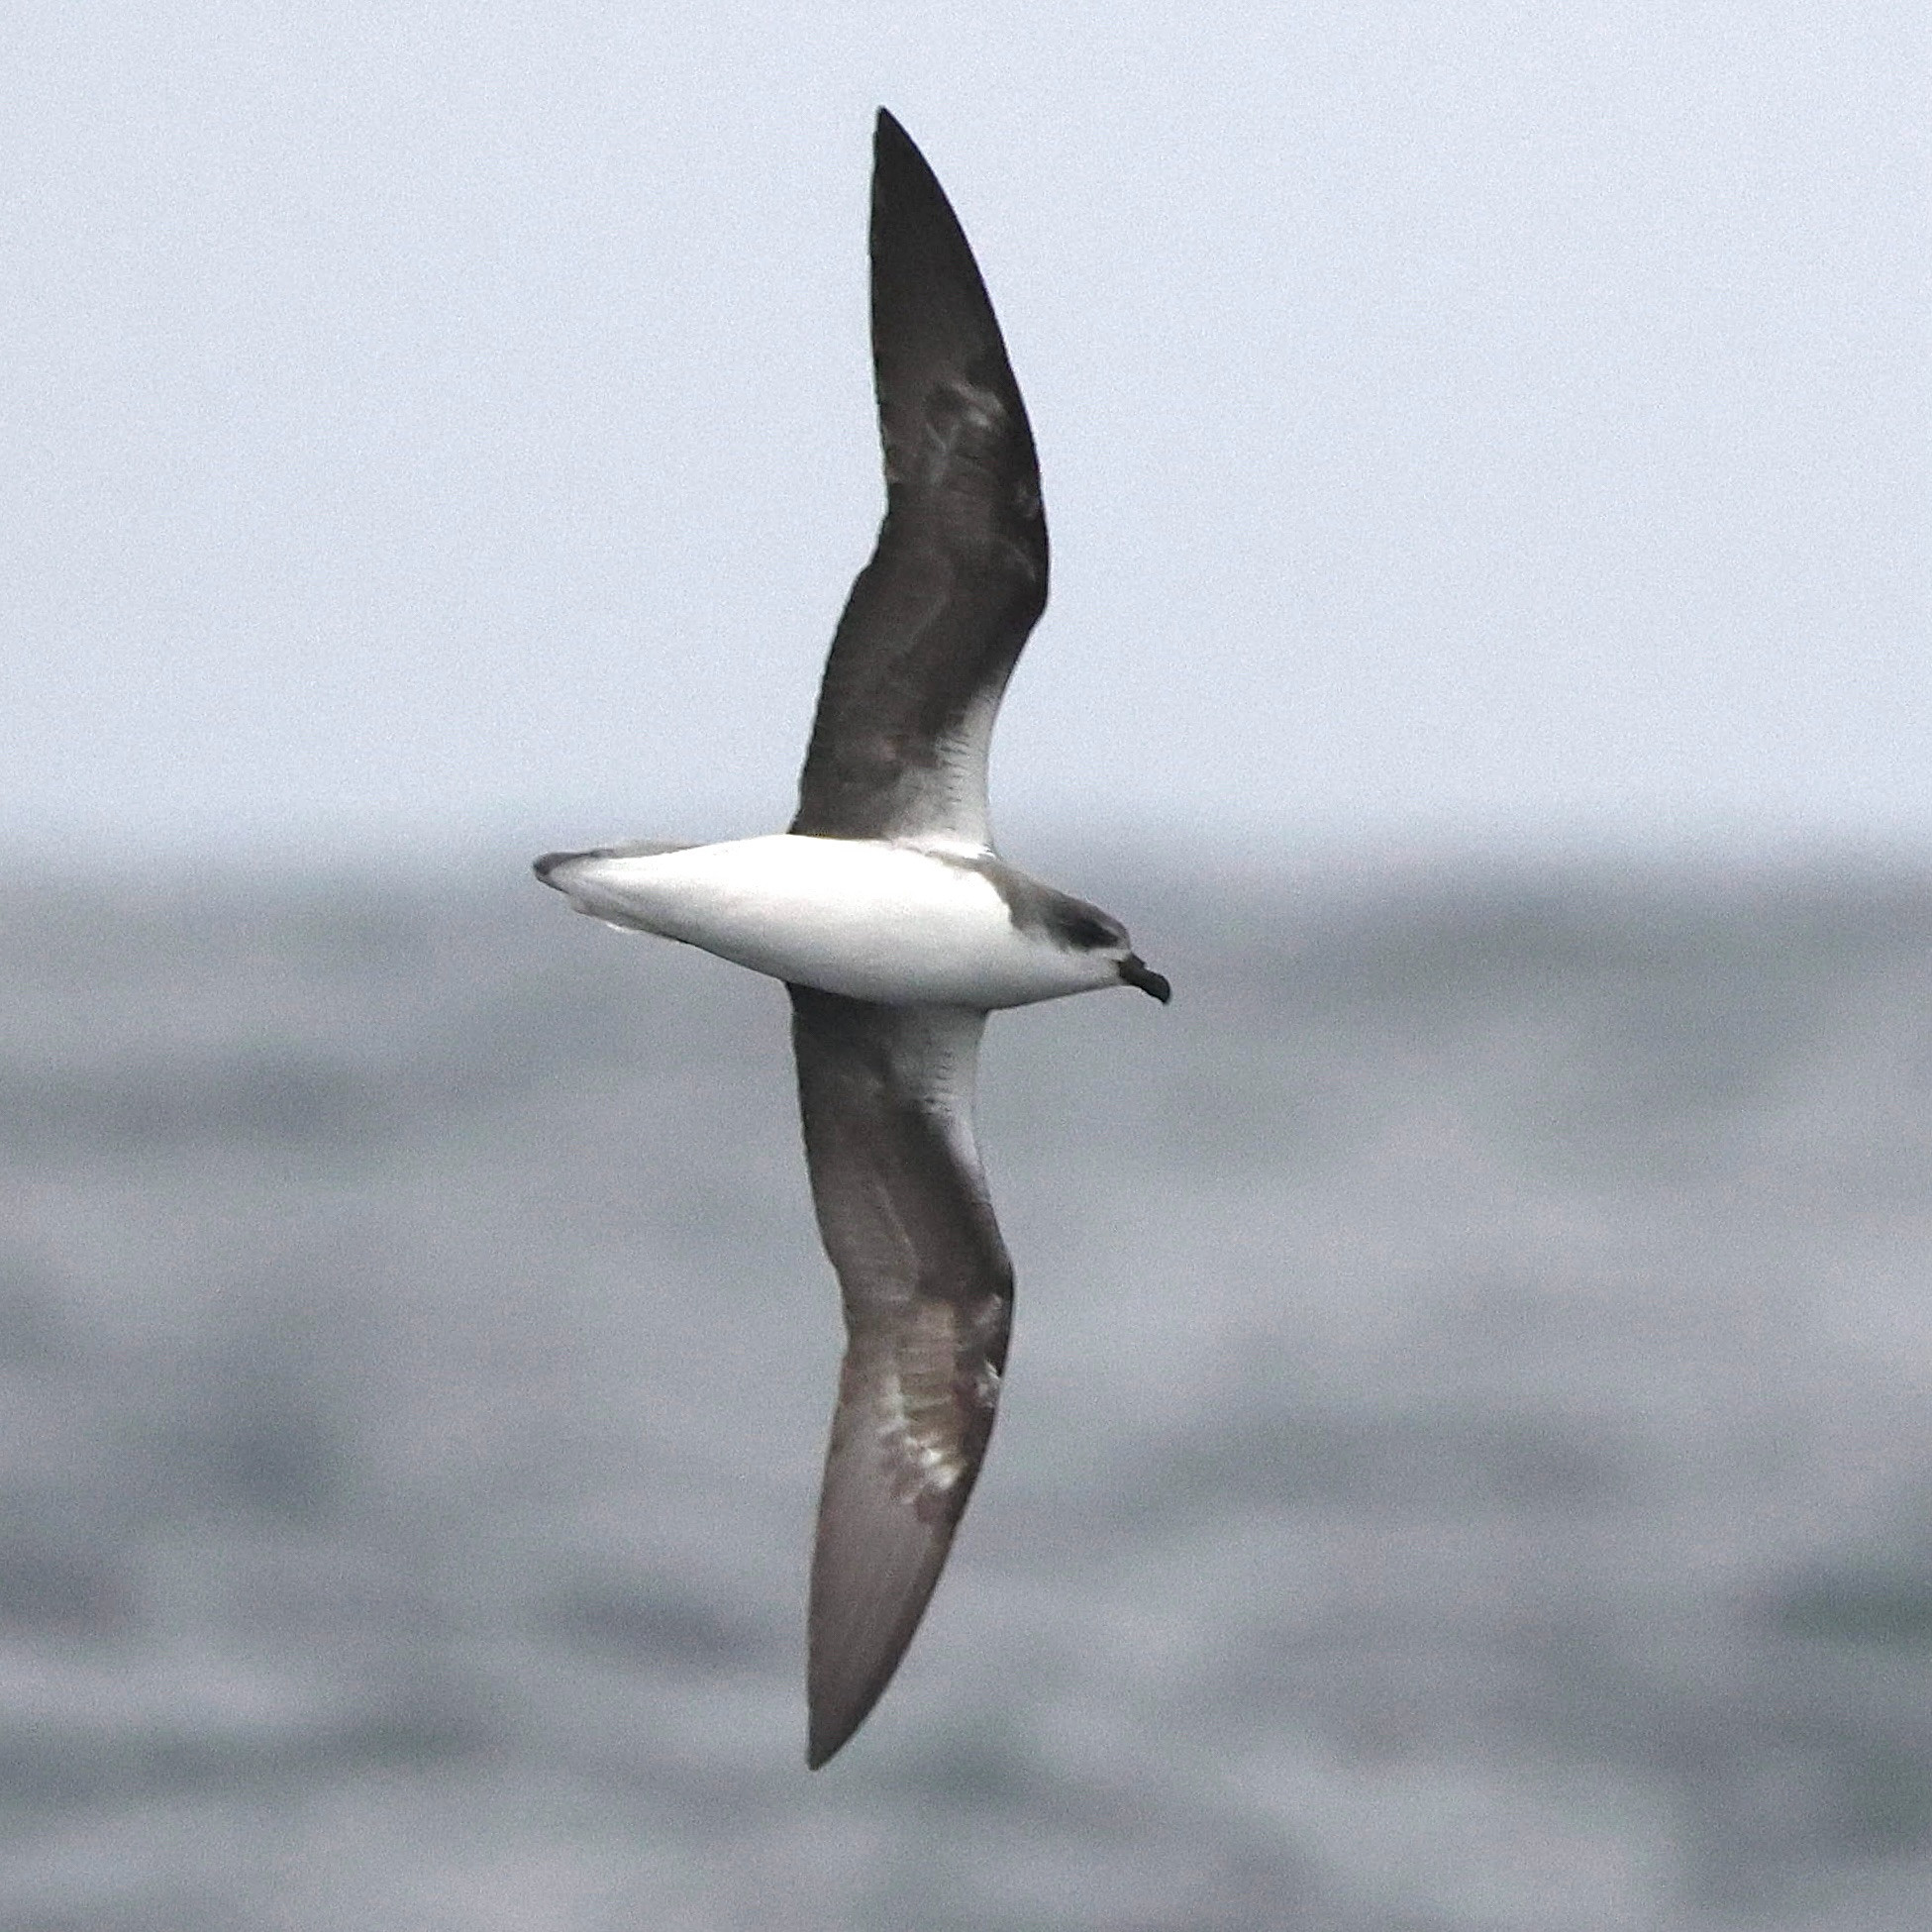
(1136, 972)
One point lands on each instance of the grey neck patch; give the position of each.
(1052, 915)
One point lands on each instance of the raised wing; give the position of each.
(935, 620)
(886, 1097)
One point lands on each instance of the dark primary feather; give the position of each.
(885, 1094)
(937, 619)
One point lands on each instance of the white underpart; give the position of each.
(861, 917)
(964, 756)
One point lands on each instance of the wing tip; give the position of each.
(876, 1559)
(834, 1713)
(855, 1640)
(824, 1740)
(835, 1710)
(899, 162)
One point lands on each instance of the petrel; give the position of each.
(896, 929)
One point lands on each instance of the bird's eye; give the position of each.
(1090, 934)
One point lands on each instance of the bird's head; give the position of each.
(1085, 929)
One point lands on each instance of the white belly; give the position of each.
(852, 916)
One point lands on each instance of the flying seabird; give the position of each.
(896, 929)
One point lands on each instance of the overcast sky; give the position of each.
(1457, 420)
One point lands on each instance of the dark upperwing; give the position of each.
(935, 621)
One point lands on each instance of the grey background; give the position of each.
(1457, 420)
(1465, 1463)
(1463, 1467)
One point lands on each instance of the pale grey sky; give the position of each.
(1457, 419)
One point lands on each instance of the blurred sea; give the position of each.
(1465, 1465)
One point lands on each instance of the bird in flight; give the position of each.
(896, 929)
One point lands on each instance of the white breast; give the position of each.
(854, 916)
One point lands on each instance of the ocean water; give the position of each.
(1464, 1462)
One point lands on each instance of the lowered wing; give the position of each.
(886, 1097)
